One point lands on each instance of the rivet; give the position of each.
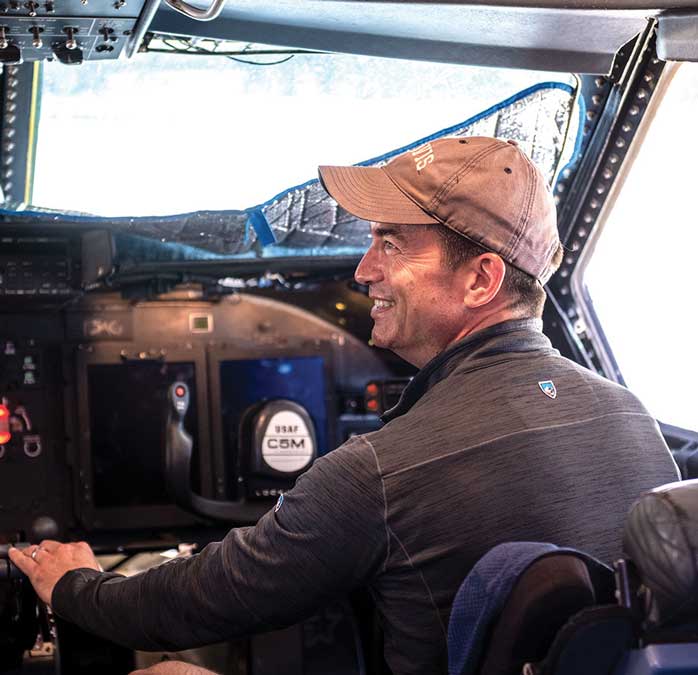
(599, 82)
(10, 107)
(641, 94)
(614, 159)
(12, 95)
(567, 173)
(575, 246)
(594, 203)
(627, 127)
(10, 119)
(564, 273)
(582, 231)
(556, 199)
(588, 218)
(634, 110)
(7, 173)
(596, 99)
(607, 174)
(620, 142)
(569, 260)
(600, 189)
(648, 77)
(7, 186)
(564, 290)
(655, 61)
(591, 114)
(7, 160)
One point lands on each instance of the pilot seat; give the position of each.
(537, 609)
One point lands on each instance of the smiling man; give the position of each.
(497, 437)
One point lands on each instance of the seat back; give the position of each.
(546, 595)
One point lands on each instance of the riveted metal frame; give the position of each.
(606, 154)
(21, 91)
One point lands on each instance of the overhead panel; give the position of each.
(69, 31)
(544, 38)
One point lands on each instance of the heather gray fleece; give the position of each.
(474, 454)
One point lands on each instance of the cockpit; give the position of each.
(182, 334)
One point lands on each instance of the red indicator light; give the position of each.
(5, 437)
(372, 389)
(372, 404)
(4, 412)
(179, 391)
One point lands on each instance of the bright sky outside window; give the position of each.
(164, 134)
(642, 277)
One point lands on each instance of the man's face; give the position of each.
(417, 299)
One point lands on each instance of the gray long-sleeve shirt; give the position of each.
(474, 454)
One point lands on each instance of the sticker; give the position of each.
(548, 388)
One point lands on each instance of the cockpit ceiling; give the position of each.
(561, 36)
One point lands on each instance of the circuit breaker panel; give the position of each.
(69, 31)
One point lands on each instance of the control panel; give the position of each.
(67, 30)
(37, 266)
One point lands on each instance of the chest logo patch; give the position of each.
(548, 388)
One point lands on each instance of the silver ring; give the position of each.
(34, 552)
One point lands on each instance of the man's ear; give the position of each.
(484, 276)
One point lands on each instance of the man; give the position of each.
(497, 438)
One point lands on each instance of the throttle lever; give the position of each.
(178, 452)
(7, 569)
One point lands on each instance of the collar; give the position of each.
(517, 335)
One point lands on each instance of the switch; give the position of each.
(107, 34)
(32, 6)
(50, 7)
(36, 31)
(68, 57)
(29, 377)
(70, 42)
(4, 44)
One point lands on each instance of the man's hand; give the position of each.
(46, 563)
(173, 668)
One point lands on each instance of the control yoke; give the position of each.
(178, 451)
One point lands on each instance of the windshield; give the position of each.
(168, 134)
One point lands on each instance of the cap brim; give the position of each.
(368, 193)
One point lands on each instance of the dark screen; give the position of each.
(128, 411)
(247, 382)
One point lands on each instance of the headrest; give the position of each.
(661, 538)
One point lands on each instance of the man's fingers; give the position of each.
(49, 545)
(24, 562)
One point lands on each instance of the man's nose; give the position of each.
(368, 270)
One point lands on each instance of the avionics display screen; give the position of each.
(250, 381)
(128, 412)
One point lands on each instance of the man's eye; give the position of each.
(387, 245)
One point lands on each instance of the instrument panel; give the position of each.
(84, 402)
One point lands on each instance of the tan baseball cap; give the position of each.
(486, 189)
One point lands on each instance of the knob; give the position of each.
(70, 42)
(32, 6)
(37, 42)
(4, 42)
(119, 4)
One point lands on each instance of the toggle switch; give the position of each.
(32, 6)
(4, 42)
(37, 43)
(50, 7)
(70, 41)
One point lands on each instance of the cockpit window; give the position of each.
(169, 134)
(641, 277)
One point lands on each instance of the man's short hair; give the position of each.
(526, 292)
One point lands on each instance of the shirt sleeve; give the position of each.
(328, 536)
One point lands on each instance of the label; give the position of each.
(287, 444)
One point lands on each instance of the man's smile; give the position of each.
(381, 305)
